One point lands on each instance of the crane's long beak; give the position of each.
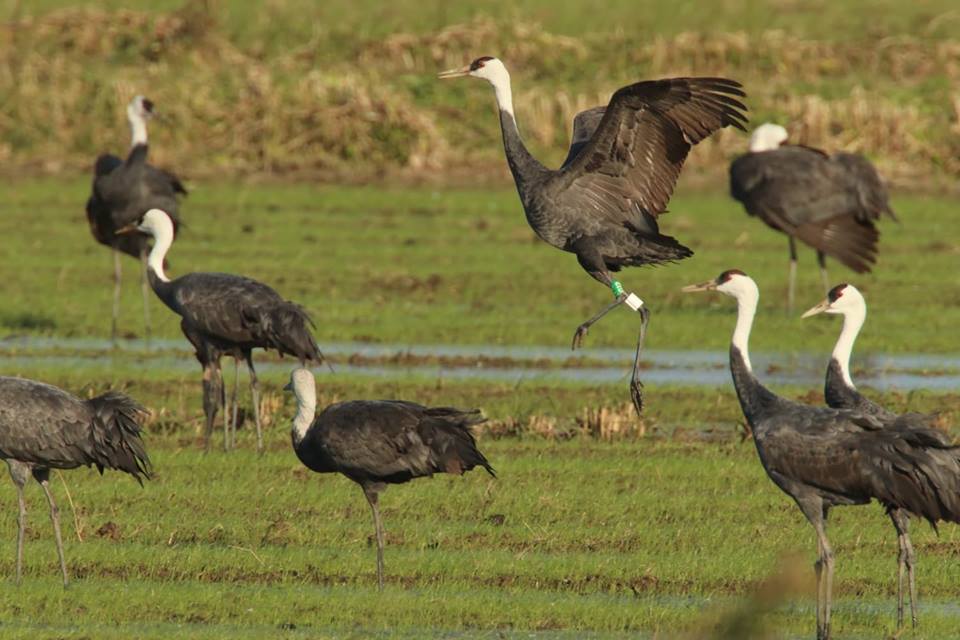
(454, 73)
(820, 308)
(130, 228)
(709, 285)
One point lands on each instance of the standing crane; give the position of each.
(823, 457)
(602, 204)
(43, 427)
(122, 192)
(840, 393)
(829, 202)
(225, 314)
(381, 442)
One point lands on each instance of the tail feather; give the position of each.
(920, 473)
(116, 435)
(453, 442)
(287, 329)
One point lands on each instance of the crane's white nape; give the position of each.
(738, 285)
(767, 137)
(846, 300)
(304, 388)
(158, 224)
(139, 111)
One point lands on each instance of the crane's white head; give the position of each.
(768, 137)
(493, 71)
(844, 299)
(303, 387)
(155, 222)
(733, 282)
(158, 224)
(140, 108)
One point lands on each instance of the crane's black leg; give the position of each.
(816, 513)
(636, 387)
(235, 405)
(792, 276)
(582, 330)
(116, 297)
(20, 472)
(255, 392)
(905, 559)
(372, 494)
(42, 476)
(211, 401)
(822, 261)
(145, 291)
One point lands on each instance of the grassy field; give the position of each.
(600, 524)
(574, 537)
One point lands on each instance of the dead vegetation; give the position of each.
(375, 108)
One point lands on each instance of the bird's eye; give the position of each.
(147, 105)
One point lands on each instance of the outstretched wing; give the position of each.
(631, 164)
(585, 125)
(870, 190)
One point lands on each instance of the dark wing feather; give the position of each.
(239, 310)
(395, 441)
(871, 192)
(803, 193)
(585, 125)
(631, 164)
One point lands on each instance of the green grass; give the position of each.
(421, 266)
(573, 536)
(675, 532)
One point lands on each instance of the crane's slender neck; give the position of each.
(138, 127)
(746, 310)
(162, 241)
(853, 320)
(306, 410)
(753, 396)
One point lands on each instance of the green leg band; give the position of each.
(617, 288)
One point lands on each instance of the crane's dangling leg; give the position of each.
(116, 297)
(636, 386)
(211, 401)
(20, 472)
(255, 393)
(145, 291)
(824, 278)
(371, 492)
(42, 476)
(792, 275)
(592, 262)
(901, 521)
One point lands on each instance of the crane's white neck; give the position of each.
(747, 299)
(497, 75)
(138, 126)
(853, 319)
(767, 137)
(305, 390)
(160, 227)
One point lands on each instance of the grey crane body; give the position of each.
(376, 443)
(225, 314)
(840, 393)
(602, 204)
(824, 457)
(43, 427)
(123, 190)
(829, 202)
